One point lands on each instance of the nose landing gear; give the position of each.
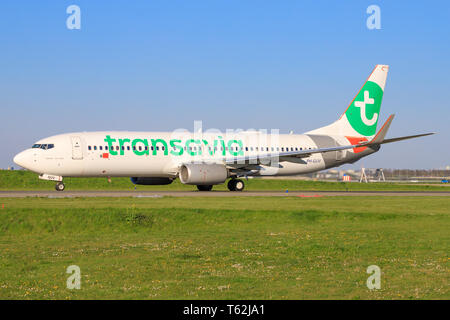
(236, 185)
(60, 186)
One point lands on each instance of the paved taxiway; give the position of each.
(156, 194)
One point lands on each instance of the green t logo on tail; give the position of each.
(364, 111)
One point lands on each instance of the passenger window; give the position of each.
(246, 148)
(117, 148)
(106, 147)
(101, 148)
(128, 148)
(89, 148)
(95, 147)
(140, 148)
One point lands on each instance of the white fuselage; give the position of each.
(130, 154)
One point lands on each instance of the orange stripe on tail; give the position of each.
(355, 141)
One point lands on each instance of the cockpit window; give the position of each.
(45, 146)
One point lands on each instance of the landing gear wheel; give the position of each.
(60, 186)
(236, 185)
(231, 184)
(239, 185)
(204, 188)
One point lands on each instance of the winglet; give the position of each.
(379, 137)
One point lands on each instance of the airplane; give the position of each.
(205, 159)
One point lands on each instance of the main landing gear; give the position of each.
(60, 186)
(233, 185)
(236, 185)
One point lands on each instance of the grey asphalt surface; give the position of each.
(157, 194)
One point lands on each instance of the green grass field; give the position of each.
(25, 180)
(225, 248)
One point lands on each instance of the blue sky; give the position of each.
(160, 65)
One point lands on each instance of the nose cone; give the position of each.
(23, 159)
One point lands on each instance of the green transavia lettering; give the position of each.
(192, 147)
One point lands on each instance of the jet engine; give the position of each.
(203, 174)
(151, 181)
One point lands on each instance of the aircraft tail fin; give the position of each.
(360, 119)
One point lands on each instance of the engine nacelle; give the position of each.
(151, 181)
(203, 174)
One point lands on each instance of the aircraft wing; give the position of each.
(379, 138)
(284, 156)
(406, 137)
(255, 159)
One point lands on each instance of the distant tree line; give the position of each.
(418, 173)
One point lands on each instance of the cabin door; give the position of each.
(77, 151)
